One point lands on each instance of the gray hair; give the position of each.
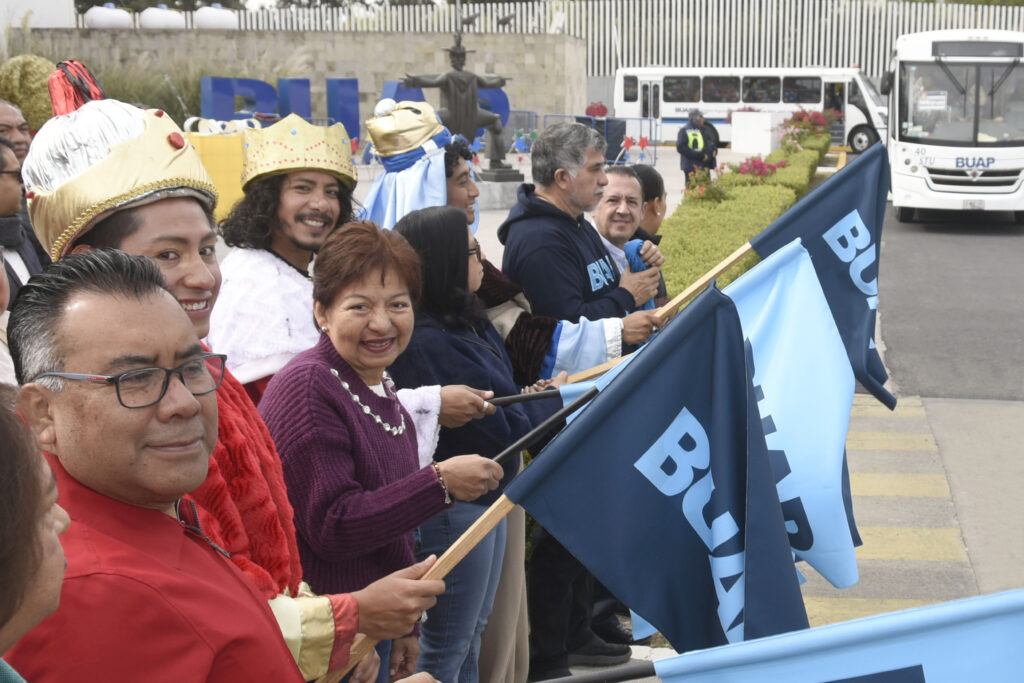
(38, 311)
(13, 106)
(564, 145)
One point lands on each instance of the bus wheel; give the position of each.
(861, 138)
(904, 214)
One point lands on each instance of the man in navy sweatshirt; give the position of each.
(558, 259)
(552, 251)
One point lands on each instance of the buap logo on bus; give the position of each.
(975, 163)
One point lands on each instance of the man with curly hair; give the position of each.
(292, 202)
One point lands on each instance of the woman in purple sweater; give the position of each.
(347, 446)
(454, 342)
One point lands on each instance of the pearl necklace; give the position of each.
(393, 431)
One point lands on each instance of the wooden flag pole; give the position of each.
(597, 370)
(456, 552)
(668, 310)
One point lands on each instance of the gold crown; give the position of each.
(405, 128)
(158, 164)
(294, 144)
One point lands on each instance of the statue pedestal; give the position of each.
(497, 195)
(500, 175)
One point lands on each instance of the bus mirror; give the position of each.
(886, 83)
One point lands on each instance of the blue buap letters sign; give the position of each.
(217, 99)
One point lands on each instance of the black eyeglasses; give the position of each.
(475, 251)
(16, 174)
(143, 387)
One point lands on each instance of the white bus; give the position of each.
(669, 93)
(956, 105)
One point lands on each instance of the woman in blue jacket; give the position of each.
(453, 342)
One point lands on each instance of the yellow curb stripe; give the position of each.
(902, 401)
(887, 441)
(901, 485)
(878, 410)
(821, 611)
(914, 544)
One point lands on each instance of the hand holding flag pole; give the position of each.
(458, 550)
(666, 312)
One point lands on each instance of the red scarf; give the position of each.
(243, 504)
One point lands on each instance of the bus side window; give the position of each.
(721, 89)
(630, 88)
(682, 89)
(761, 89)
(801, 90)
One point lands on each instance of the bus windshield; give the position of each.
(961, 104)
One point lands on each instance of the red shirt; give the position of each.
(144, 599)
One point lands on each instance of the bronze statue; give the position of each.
(460, 109)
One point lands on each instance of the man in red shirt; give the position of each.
(141, 188)
(130, 421)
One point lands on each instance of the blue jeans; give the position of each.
(450, 637)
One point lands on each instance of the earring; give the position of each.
(324, 329)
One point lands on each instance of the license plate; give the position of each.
(974, 204)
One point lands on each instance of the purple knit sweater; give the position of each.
(357, 491)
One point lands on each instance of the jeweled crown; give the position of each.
(293, 144)
(104, 157)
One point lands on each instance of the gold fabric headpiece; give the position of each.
(405, 128)
(293, 144)
(101, 158)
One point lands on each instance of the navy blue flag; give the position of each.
(840, 223)
(663, 488)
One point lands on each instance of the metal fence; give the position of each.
(700, 33)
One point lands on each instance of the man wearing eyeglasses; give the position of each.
(130, 420)
(143, 189)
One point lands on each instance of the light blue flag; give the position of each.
(575, 347)
(977, 639)
(804, 385)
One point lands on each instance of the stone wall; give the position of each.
(547, 72)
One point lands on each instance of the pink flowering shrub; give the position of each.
(803, 124)
(757, 168)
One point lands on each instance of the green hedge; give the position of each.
(702, 234)
(799, 171)
(820, 143)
